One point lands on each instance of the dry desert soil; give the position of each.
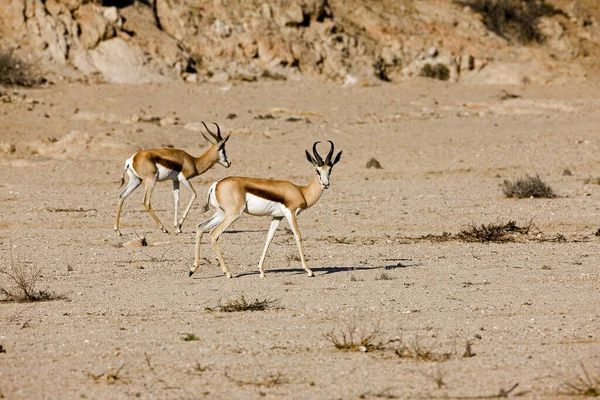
(426, 314)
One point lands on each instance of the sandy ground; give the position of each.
(529, 309)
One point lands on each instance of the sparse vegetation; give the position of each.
(527, 187)
(111, 376)
(351, 339)
(240, 304)
(373, 163)
(436, 71)
(17, 72)
(583, 384)
(493, 232)
(514, 20)
(190, 337)
(591, 181)
(269, 381)
(383, 277)
(417, 351)
(23, 279)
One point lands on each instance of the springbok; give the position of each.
(235, 195)
(157, 165)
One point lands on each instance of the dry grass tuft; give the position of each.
(581, 385)
(493, 232)
(417, 351)
(351, 339)
(110, 376)
(190, 337)
(527, 187)
(269, 381)
(240, 304)
(23, 279)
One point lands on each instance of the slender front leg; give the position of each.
(188, 185)
(291, 217)
(131, 186)
(147, 196)
(176, 200)
(274, 224)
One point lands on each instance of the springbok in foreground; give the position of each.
(157, 165)
(235, 195)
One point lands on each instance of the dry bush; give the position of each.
(190, 337)
(527, 187)
(581, 385)
(436, 71)
(16, 72)
(240, 304)
(493, 232)
(514, 20)
(23, 279)
(351, 339)
(417, 351)
(374, 163)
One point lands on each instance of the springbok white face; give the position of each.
(223, 159)
(219, 142)
(323, 168)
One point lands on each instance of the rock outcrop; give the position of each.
(349, 41)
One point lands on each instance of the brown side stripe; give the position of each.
(169, 164)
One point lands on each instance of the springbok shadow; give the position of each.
(324, 270)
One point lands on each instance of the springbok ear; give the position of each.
(309, 158)
(222, 142)
(337, 158)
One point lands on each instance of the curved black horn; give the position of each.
(317, 156)
(209, 131)
(328, 158)
(218, 131)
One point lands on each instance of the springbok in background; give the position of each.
(157, 165)
(235, 195)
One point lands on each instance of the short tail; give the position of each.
(210, 191)
(123, 177)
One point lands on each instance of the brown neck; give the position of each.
(312, 192)
(206, 160)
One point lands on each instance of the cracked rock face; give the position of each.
(349, 41)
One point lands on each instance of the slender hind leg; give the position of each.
(205, 226)
(228, 219)
(187, 184)
(291, 217)
(147, 195)
(133, 184)
(274, 224)
(176, 201)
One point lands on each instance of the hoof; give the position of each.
(190, 273)
(228, 275)
(310, 274)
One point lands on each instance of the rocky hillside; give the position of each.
(351, 41)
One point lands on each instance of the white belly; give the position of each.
(166, 174)
(261, 207)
